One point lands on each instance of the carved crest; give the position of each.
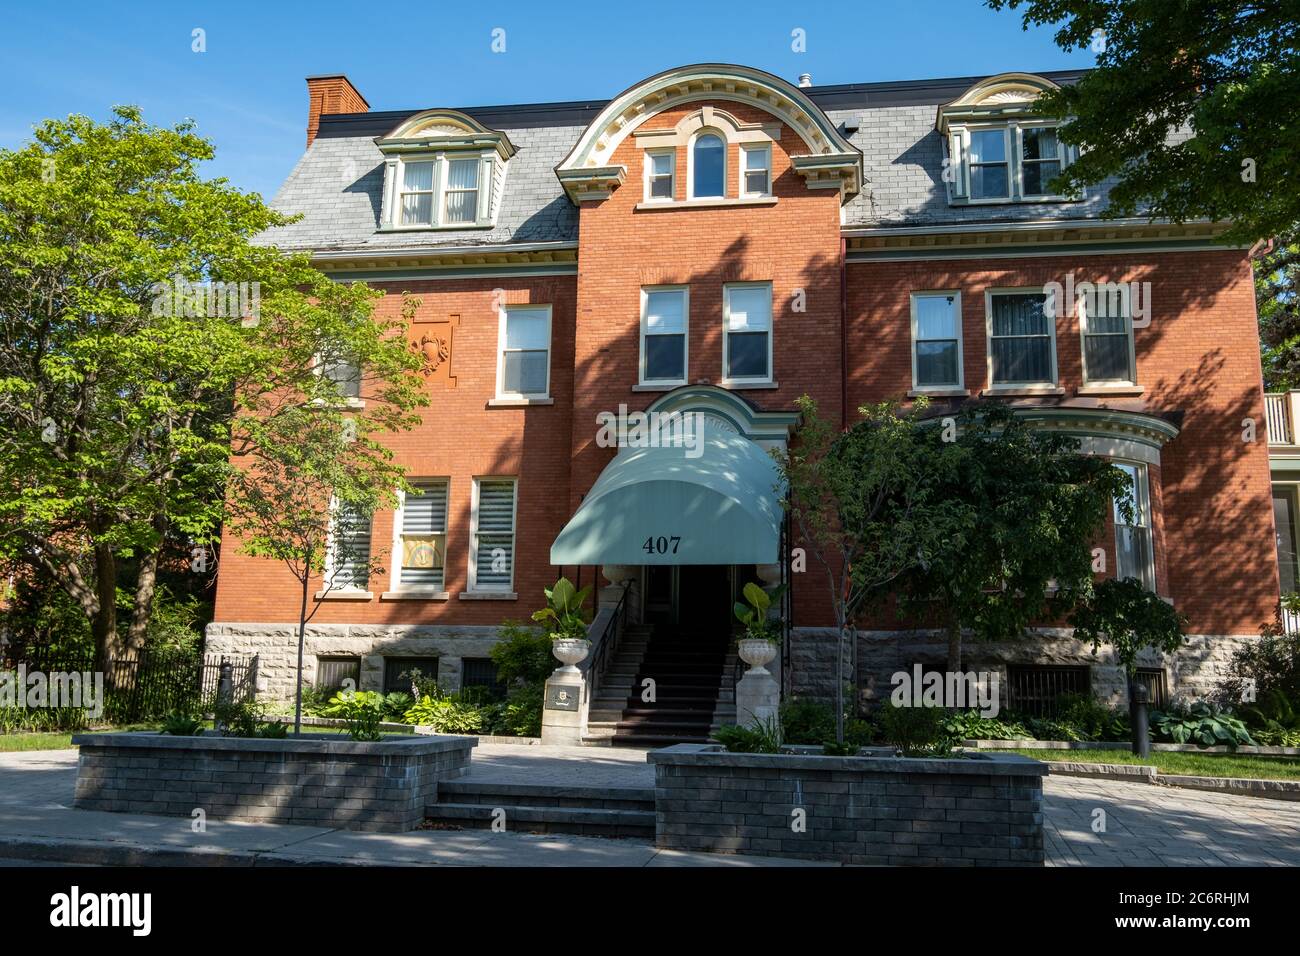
(434, 346)
(435, 350)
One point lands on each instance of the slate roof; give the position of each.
(337, 184)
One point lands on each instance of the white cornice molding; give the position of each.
(626, 112)
(1006, 94)
(444, 129)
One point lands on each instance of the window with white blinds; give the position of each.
(422, 528)
(349, 547)
(492, 538)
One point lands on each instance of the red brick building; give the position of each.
(717, 240)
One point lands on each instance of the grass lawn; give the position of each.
(14, 743)
(1177, 762)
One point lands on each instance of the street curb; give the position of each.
(1141, 773)
(104, 853)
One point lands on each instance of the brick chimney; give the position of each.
(331, 93)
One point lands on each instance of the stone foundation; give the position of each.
(310, 781)
(276, 647)
(864, 810)
(1193, 672)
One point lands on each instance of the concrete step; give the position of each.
(539, 795)
(636, 824)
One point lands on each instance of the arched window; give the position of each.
(709, 167)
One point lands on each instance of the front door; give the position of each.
(704, 598)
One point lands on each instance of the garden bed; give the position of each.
(1226, 765)
(310, 780)
(975, 809)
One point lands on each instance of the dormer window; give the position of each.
(709, 167)
(443, 170)
(998, 151)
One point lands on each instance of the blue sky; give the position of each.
(247, 91)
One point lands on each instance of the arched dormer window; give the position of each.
(708, 166)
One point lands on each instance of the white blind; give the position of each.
(349, 547)
(494, 535)
(424, 535)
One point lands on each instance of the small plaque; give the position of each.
(562, 696)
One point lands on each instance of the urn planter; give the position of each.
(971, 810)
(757, 652)
(570, 651)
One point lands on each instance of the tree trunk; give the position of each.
(302, 640)
(145, 588)
(839, 681)
(103, 624)
(954, 647)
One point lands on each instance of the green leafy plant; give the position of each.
(1273, 720)
(273, 729)
(1048, 728)
(447, 714)
(832, 749)
(363, 725)
(396, 704)
(347, 704)
(1200, 723)
(181, 724)
(564, 613)
(522, 654)
(752, 613)
(971, 725)
(916, 731)
(1260, 668)
(520, 714)
(237, 718)
(760, 737)
(807, 721)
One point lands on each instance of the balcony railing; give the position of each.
(1281, 412)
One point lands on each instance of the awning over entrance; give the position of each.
(661, 506)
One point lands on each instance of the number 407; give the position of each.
(661, 544)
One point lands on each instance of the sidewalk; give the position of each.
(36, 823)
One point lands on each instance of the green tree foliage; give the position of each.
(1188, 107)
(123, 388)
(1277, 280)
(1130, 618)
(1022, 508)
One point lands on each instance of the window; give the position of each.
(1022, 340)
(345, 375)
(1134, 556)
(1284, 529)
(756, 170)
(709, 166)
(335, 673)
(1036, 690)
(481, 672)
(422, 530)
(348, 552)
(398, 672)
(663, 335)
(989, 165)
(417, 194)
(1157, 686)
(460, 199)
(525, 363)
(1040, 159)
(660, 175)
(747, 344)
(936, 340)
(1107, 336)
(492, 537)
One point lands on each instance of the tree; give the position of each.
(1188, 107)
(1277, 280)
(1131, 618)
(313, 468)
(864, 504)
(1026, 508)
(144, 335)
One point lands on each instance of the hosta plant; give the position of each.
(1202, 724)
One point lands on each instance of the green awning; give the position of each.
(659, 506)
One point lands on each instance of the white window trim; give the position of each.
(770, 377)
(1012, 136)
(649, 174)
(690, 161)
(685, 290)
(1082, 314)
(503, 311)
(745, 150)
(395, 585)
(329, 570)
(472, 579)
(487, 177)
(1142, 497)
(960, 384)
(988, 344)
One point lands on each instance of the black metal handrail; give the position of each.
(607, 643)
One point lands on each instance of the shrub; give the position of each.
(363, 725)
(1273, 720)
(1261, 668)
(181, 724)
(236, 718)
(760, 737)
(805, 721)
(349, 704)
(520, 714)
(523, 655)
(447, 714)
(971, 725)
(1045, 728)
(916, 731)
(1091, 718)
(396, 705)
(1200, 723)
(860, 732)
(832, 749)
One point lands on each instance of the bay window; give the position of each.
(1134, 552)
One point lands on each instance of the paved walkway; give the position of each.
(1145, 825)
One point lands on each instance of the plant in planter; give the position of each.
(566, 619)
(916, 731)
(760, 737)
(762, 635)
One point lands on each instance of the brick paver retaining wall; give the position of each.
(383, 785)
(976, 810)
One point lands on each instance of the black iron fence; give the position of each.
(144, 687)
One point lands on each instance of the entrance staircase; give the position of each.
(694, 689)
